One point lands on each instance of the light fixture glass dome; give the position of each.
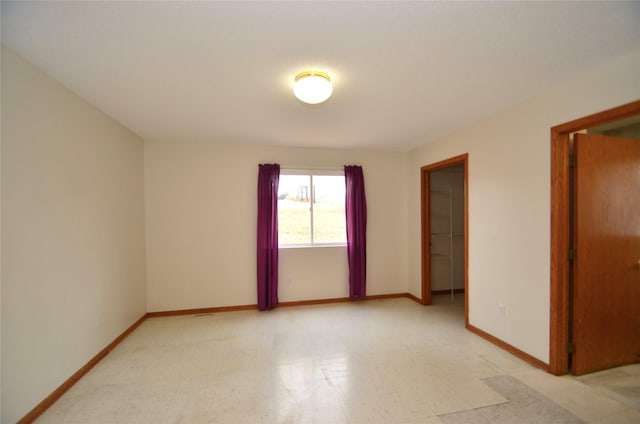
(312, 87)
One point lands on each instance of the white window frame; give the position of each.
(336, 172)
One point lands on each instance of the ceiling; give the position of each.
(404, 73)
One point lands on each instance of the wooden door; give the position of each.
(606, 290)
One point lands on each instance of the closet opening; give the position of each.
(445, 232)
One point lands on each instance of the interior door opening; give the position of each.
(562, 325)
(444, 230)
(446, 219)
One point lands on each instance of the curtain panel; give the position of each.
(356, 214)
(267, 243)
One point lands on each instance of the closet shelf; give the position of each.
(445, 220)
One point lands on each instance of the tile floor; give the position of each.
(386, 361)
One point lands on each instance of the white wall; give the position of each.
(73, 275)
(509, 192)
(201, 226)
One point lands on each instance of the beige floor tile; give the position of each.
(625, 417)
(587, 403)
(387, 361)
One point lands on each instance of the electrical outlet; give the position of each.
(98, 320)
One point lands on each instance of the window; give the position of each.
(311, 209)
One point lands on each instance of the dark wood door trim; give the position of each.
(559, 277)
(425, 225)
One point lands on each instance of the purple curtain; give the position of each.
(356, 211)
(268, 178)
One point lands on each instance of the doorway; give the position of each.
(561, 239)
(444, 226)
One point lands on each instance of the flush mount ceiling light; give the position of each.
(312, 87)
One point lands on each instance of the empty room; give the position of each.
(320, 211)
